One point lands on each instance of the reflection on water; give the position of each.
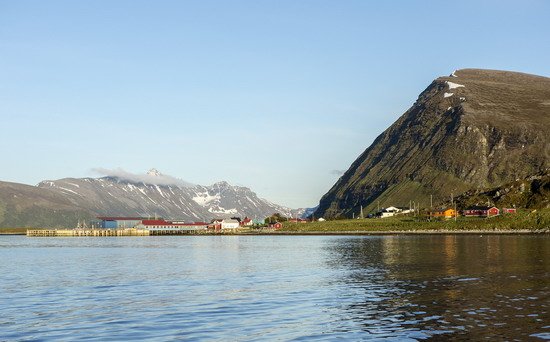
(275, 288)
(470, 287)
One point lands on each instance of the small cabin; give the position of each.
(247, 222)
(276, 225)
(443, 213)
(481, 211)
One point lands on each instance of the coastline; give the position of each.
(359, 232)
(408, 232)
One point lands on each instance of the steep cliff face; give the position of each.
(473, 129)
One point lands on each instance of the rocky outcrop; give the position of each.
(532, 192)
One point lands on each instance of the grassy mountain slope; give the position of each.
(28, 206)
(474, 129)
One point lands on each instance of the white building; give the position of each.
(230, 224)
(389, 212)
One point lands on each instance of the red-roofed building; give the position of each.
(276, 225)
(481, 211)
(246, 222)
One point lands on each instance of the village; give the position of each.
(443, 213)
(129, 226)
(276, 221)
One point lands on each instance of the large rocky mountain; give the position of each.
(471, 130)
(63, 202)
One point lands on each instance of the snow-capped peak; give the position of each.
(154, 172)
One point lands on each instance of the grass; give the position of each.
(523, 220)
(534, 220)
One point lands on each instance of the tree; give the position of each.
(276, 217)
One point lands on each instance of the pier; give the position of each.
(116, 232)
(87, 232)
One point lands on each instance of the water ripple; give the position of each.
(274, 288)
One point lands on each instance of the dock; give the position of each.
(87, 232)
(120, 232)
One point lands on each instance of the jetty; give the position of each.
(87, 232)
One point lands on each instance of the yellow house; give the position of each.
(444, 213)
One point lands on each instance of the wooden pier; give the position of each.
(87, 232)
(82, 232)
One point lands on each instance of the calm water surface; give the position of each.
(275, 288)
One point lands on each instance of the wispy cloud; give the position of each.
(156, 179)
(337, 172)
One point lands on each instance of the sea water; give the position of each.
(249, 288)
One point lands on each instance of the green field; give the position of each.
(535, 220)
(527, 219)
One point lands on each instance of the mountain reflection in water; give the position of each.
(471, 287)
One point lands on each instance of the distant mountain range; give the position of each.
(65, 201)
(475, 129)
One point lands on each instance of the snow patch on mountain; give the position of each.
(204, 198)
(454, 85)
(220, 210)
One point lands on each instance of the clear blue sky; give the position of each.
(274, 95)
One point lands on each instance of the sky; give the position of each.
(278, 96)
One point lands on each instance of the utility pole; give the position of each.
(455, 212)
(431, 202)
(362, 212)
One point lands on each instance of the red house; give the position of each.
(276, 225)
(509, 210)
(215, 224)
(246, 222)
(481, 211)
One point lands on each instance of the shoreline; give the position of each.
(360, 233)
(412, 232)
